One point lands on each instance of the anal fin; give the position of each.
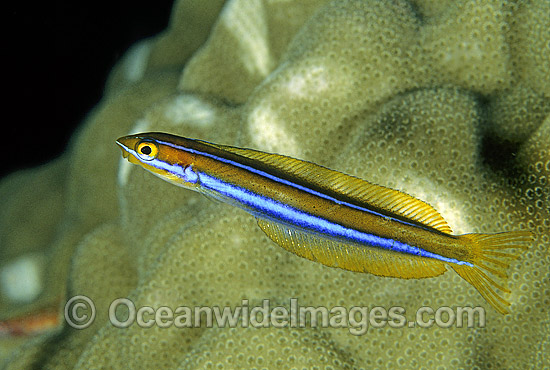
(350, 256)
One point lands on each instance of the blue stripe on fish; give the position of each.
(265, 207)
(286, 182)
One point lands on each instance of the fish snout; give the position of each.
(124, 145)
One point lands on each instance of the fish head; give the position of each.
(162, 155)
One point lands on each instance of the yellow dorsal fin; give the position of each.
(350, 256)
(361, 191)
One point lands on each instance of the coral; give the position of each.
(449, 103)
(516, 113)
(530, 32)
(466, 46)
(17, 243)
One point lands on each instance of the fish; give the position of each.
(32, 324)
(330, 217)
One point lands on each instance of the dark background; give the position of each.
(57, 58)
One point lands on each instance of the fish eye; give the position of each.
(147, 150)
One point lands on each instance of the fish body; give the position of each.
(31, 324)
(330, 217)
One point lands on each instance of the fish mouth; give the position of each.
(124, 149)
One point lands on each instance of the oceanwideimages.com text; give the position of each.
(80, 313)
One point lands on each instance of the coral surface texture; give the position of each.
(448, 101)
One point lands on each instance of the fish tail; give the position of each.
(491, 257)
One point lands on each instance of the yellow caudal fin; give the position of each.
(491, 259)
